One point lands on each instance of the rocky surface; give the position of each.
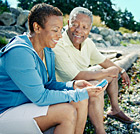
(129, 101)
(15, 23)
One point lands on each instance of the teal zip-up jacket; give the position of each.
(23, 77)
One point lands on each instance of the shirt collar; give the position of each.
(67, 39)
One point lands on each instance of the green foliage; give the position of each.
(127, 20)
(65, 20)
(132, 41)
(124, 43)
(3, 41)
(124, 30)
(4, 6)
(135, 41)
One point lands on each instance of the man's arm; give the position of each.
(92, 75)
(107, 63)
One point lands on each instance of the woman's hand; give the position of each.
(91, 89)
(95, 91)
(81, 84)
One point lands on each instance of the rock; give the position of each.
(119, 36)
(95, 29)
(108, 44)
(100, 44)
(11, 31)
(26, 26)
(7, 18)
(135, 36)
(127, 36)
(14, 28)
(22, 18)
(112, 32)
(95, 36)
(16, 11)
(104, 31)
(114, 41)
(117, 32)
(8, 34)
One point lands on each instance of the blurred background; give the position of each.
(112, 13)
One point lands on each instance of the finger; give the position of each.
(95, 89)
(86, 83)
(104, 88)
(114, 76)
(98, 88)
(99, 92)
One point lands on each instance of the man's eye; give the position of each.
(85, 28)
(75, 25)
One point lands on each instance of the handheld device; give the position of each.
(102, 83)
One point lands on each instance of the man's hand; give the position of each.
(125, 79)
(81, 84)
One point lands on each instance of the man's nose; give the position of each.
(79, 29)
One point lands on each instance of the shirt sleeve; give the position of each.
(96, 57)
(20, 66)
(54, 85)
(65, 69)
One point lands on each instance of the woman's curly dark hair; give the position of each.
(40, 13)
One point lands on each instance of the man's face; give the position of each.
(79, 29)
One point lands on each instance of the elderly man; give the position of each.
(75, 52)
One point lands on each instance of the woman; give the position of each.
(28, 88)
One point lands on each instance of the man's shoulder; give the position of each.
(88, 40)
(60, 46)
(89, 43)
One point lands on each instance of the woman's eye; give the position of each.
(55, 30)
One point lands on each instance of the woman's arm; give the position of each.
(20, 66)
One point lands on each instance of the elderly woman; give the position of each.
(31, 101)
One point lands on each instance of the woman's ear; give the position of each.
(36, 27)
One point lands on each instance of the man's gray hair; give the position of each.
(80, 10)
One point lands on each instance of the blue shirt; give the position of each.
(23, 77)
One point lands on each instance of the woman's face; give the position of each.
(49, 36)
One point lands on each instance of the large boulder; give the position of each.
(104, 31)
(110, 36)
(22, 18)
(136, 36)
(95, 36)
(8, 34)
(7, 19)
(15, 28)
(11, 31)
(127, 36)
(16, 11)
(95, 29)
(114, 41)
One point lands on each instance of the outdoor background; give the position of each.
(114, 13)
(116, 34)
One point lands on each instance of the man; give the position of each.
(75, 52)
